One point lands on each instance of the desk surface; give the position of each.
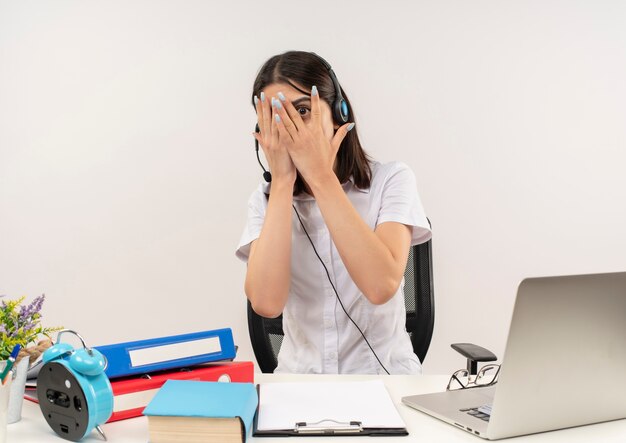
(422, 428)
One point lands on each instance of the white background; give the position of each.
(126, 155)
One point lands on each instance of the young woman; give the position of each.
(327, 240)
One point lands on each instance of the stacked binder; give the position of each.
(164, 353)
(138, 369)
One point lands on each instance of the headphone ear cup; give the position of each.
(87, 362)
(340, 111)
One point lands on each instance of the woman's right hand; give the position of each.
(280, 164)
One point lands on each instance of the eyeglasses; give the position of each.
(462, 379)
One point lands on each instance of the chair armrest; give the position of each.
(473, 353)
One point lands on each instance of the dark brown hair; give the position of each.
(306, 69)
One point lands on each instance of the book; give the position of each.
(171, 352)
(196, 411)
(132, 394)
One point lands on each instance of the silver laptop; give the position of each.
(564, 363)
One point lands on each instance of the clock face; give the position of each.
(62, 401)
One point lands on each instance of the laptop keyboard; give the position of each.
(482, 412)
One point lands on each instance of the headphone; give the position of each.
(339, 106)
(340, 115)
(75, 395)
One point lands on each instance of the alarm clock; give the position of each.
(74, 394)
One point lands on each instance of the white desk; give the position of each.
(422, 428)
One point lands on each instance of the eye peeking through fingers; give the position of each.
(302, 106)
(304, 112)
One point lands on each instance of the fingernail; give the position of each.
(277, 117)
(281, 97)
(350, 126)
(276, 103)
(314, 90)
(256, 100)
(263, 97)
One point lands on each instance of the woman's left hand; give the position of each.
(312, 152)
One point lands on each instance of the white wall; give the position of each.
(126, 158)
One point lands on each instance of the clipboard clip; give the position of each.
(329, 426)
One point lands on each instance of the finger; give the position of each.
(266, 113)
(284, 123)
(340, 134)
(293, 113)
(283, 134)
(274, 129)
(259, 138)
(316, 109)
(259, 112)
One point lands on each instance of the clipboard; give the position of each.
(279, 403)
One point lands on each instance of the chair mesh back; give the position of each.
(276, 340)
(266, 334)
(409, 294)
(409, 285)
(419, 298)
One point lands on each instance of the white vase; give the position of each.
(5, 391)
(16, 396)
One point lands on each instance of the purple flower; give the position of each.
(21, 323)
(29, 311)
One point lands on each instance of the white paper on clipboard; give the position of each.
(282, 405)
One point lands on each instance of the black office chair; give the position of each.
(266, 334)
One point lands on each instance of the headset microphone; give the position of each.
(267, 175)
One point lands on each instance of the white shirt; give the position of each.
(319, 337)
